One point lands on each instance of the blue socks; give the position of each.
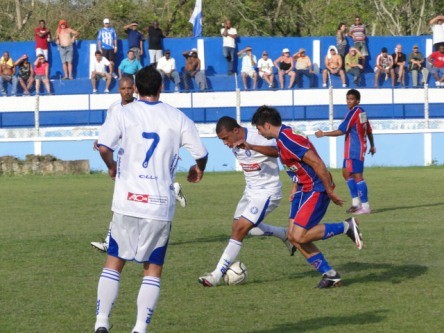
(319, 263)
(333, 229)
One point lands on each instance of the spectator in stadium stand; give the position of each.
(265, 68)
(135, 39)
(41, 72)
(167, 69)
(341, 40)
(229, 36)
(129, 66)
(65, 39)
(353, 65)
(99, 72)
(285, 65)
(7, 74)
(333, 66)
(248, 69)
(303, 67)
(193, 70)
(358, 34)
(107, 44)
(155, 42)
(25, 74)
(436, 59)
(416, 63)
(384, 64)
(437, 25)
(42, 37)
(399, 61)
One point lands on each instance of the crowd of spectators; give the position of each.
(341, 59)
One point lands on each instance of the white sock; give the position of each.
(346, 226)
(271, 230)
(366, 205)
(107, 292)
(230, 253)
(356, 202)
(146, 302)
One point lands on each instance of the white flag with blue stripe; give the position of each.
(196, 19)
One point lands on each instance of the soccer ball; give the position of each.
(236, 274)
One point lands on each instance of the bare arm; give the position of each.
(319, 133)
(321, 171)
(108, 157)
(264, 150)
(196, 171)
(372, 149)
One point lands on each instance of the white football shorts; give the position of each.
(139, 239)
(256, 204)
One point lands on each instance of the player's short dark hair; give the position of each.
(127, 78)
(148, 81)
(226, 123)
(355, 93)
(266, 114)
(98, 52)
(42, 21)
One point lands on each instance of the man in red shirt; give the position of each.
(42, 36)
(437, 61)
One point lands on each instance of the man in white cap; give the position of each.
(249, 63)
(107, 44)
(193, 69)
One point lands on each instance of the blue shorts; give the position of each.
(309, 208)
(353, 166)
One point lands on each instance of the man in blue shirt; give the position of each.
(135, 39)
(107, 44)
(129, 66)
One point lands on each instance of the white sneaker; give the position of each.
(324, 85)
(114, 75)
(208, 280)
(100, 246)
(344, 85)
(437, 83)
(176, 89)
(106, 91)
(179, 195)
(289, 246)
(94, 91)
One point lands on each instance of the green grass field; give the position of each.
(49, 272)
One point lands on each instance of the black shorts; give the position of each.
(109, 54)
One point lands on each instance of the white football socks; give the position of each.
(146, 302)
(107, 292)
(230, 253)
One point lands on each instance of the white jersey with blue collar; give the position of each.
(260, 171)
(150, 136)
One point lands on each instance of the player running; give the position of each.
(312, 191)
(356, 128)
(263, 192)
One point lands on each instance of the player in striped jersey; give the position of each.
(356, 128)
(313, 188)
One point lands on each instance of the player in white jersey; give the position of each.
(263, 192)
(149, 134)
(126, 90)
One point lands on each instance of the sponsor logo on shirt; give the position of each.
(250, 167)
(137, 197)
(148, 177)
(146, 198)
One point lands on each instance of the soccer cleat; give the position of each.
(179, 195)
(329, 281)
(362, 211)
(289, 245)
(208, 280)
(353, 232)
(101, 330)
(101, 246)
(352, 209)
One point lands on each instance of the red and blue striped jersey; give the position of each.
(292, 147)
(355, 127)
